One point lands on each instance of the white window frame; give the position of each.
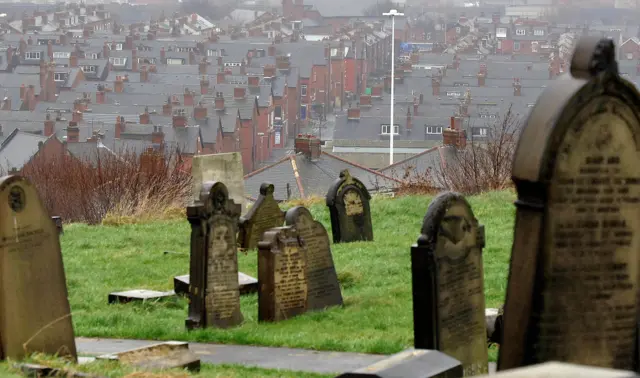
(516, 45)
(180, 112)
(32, 55)
(303, 90)
(175, 61)
(538, 32)
(117, 61)
(480, 132)
(385, 130)
(434, 130)
(61, 55)
(521, 32)
(94, 56)
(88, 68)
(501, 32)
(59, 76)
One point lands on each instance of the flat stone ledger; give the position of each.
(265, 214)
(213, 289)
(448, 287)
(413, 363)
(281, 273)
(322, 279)
(167, 355)
(33, 291)
(574, 266)
(348, 202)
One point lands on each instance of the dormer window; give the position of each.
(179, 112)
(521, 32)
(61, 55)
(385, 130)
(538, 32)
(433, 130)
(59, 76)
(32, 55)
(118, 61)
(88, 68)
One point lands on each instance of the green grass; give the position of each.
(375, 276)
(114, 369)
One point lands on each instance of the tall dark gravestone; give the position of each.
(448, 288)
(348, 202)
(322, 279)
(281, 275)
(263, 215)
(572, 294)
(34, 309)
(214, 296)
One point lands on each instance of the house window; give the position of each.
(385, 129)
(303, 111)
(521, 32)
(32, 55)
(629, 56)
(59, 76)
(61, 55)
(119, 46)
(434, 130)
(117, 61)
(88, 68)
(480, 131)
(175, 61)
(94, 56)
(303, 90)
(179, 112)
(516, 46)
(277, 112)
(538, 32)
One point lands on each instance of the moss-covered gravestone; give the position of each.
(448, 289)
(214, 296)
(322, 280)
(348, 202)
(263, 215)
(34, 310)
(572, 294)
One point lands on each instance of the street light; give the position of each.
(392, 13)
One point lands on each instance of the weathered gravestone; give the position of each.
(36, 316)
(227, 168)
(413, 363)
(562, 370)
(214, 297)
(448, 290)
(322, 279)
(572, 293)
(263, 215)
(281, 274)
(348, 202)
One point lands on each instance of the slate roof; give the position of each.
(315, 176)
(18, 148)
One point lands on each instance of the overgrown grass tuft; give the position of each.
(375, 277)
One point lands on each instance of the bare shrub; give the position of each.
(127, 186)
(482, 165)
(415, 182)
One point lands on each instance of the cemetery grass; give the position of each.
(375, 279)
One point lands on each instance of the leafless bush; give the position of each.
(482, 165)
(122, 185)
(414, 181)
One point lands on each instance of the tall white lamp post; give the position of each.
(392, 13)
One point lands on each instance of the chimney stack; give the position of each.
(200, 112)
(239, 93)
(481, 79)
(202, 66)
(254, 81)
(100, 95)
(435, 86)
(119, 126)
(269, 71)
(353, 114)
(167, 108)
(73, 132)
(517, 87)
(163, 56)
(271, 50)
(454, 135)
(309, 146)
(73, 59)
(204, 85)
(221, 77)
(421, 101)
(23, 91)
(50, 89)
(188, 97)
(365, 101)
(145, 119)
(179, 121)
(49, 49)
(128, 42)
(134, 60)
(76, 116)
(409, 119)
(219, 103)
(157, 137)
(144, 74)
(118, 86)
(105, 50)
(49, 126)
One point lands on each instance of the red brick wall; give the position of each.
(629, 48)
(350, 75)
(246, 141)
(52, 148)
(293, 108)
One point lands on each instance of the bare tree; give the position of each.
(482, 165)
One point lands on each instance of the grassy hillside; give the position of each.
(375, 276)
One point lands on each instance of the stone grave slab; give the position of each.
(573, 280)
(33, 290)
(246, 283)
(348, 202)
(448, 288)
(412, 363)
(262, 216)
(281, 273)
(562, 370)
(167, 355)
(323, 288)
(226, 168)
(214, 296)
(139, 295)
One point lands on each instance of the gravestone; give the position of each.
(36, 316)
(447, 279)
(227, 168)
(263, 215)
(348, 202)
(322, 279)
(214, 296)
(562, 370)
(573, 280)
(166, 355)
(281, 273)
(412, 363)
(246, 284)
